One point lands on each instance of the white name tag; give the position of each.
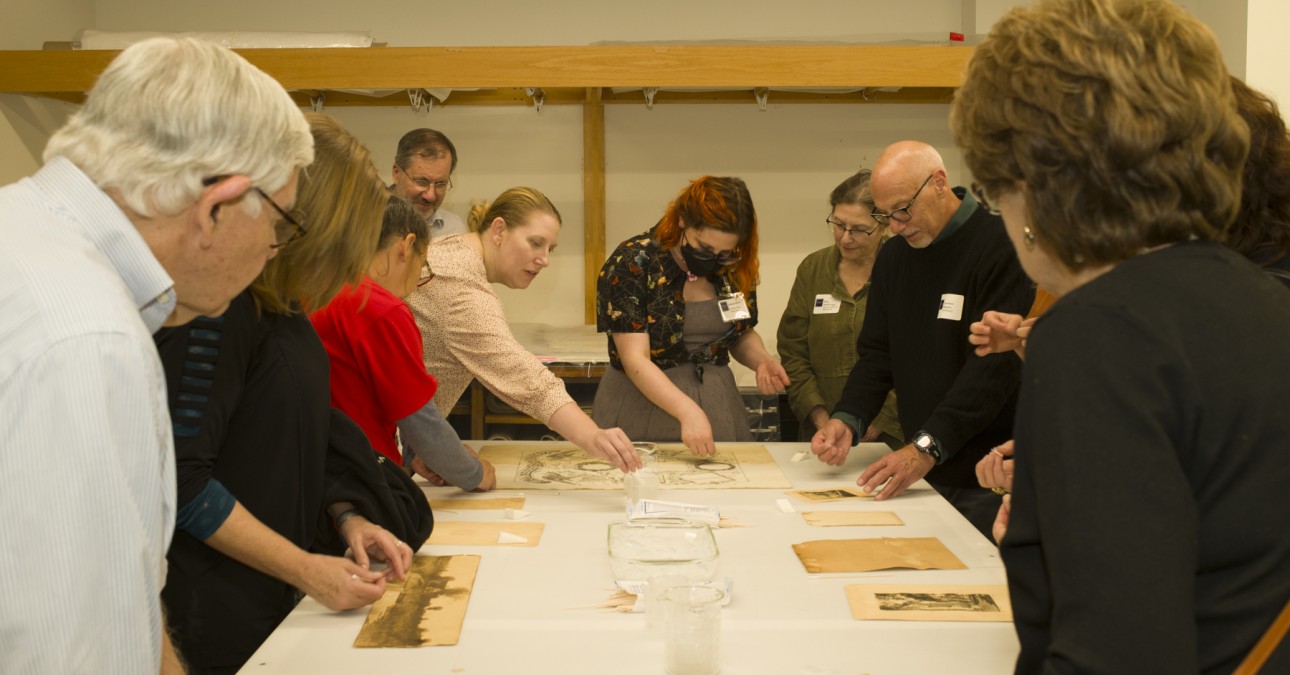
(951, 307)
(733, 308)
(825, 303)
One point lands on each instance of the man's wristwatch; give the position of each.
(924, 442)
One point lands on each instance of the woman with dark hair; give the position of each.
(1146, 531)
(377, 376)
(1261, 230)
(818, 331)
(677, 302)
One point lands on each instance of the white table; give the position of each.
(781, 620)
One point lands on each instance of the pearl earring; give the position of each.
(1029, 235)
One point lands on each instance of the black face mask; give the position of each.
(699, 267)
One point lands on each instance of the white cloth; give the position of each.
(444, 223)
(87, 464)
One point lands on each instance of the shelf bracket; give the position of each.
(417, 99)
(762, 94)
(316, 101)
(650, 93)
(538, 96)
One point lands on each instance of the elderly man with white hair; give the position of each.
(152, 208)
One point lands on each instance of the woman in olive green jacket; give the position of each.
(817, 334)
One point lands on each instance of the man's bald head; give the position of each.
(911, 175)
(906, 162)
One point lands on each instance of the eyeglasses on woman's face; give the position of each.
(427, 275)
(902, 214)
(842, 229)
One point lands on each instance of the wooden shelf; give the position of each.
(516, 96)
(562, 72)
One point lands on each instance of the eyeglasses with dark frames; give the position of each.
(978, 193)
(855, 232)
(902, 214)
(291, 225)
(424, 184)
(427, 275)
(722, 259)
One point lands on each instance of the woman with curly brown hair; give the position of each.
(1146, 531)
(1261, 230)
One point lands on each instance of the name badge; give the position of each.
(825, 303)
(951, 307)
(733, 307)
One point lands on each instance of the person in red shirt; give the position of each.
(377, 376)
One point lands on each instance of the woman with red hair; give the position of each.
(677, 302)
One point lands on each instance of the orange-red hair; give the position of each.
(723, 203)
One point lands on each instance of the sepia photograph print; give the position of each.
(929, 602)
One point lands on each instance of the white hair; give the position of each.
(168, 113)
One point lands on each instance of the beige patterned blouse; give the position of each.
(465, 336)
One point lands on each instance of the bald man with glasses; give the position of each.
(949, 262)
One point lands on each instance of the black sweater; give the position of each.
(1150, 527)
(964, 401)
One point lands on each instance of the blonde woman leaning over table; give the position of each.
(818, 331)
(677, 302)
(464, 326)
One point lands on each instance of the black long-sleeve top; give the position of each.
(1150, 522)
(251, 403)
(910, 341)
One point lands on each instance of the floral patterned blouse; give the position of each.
(640, 290)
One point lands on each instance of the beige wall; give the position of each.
(1227, 18)
(1265, 66)
(28, 24)
(26, 123)
(554, 22)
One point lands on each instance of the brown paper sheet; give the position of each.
(960, 602)
(564, 466)
(466, 504)
(867, 555)
(829, 495)
(850, 518)
(426, 608)
(467, 533)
